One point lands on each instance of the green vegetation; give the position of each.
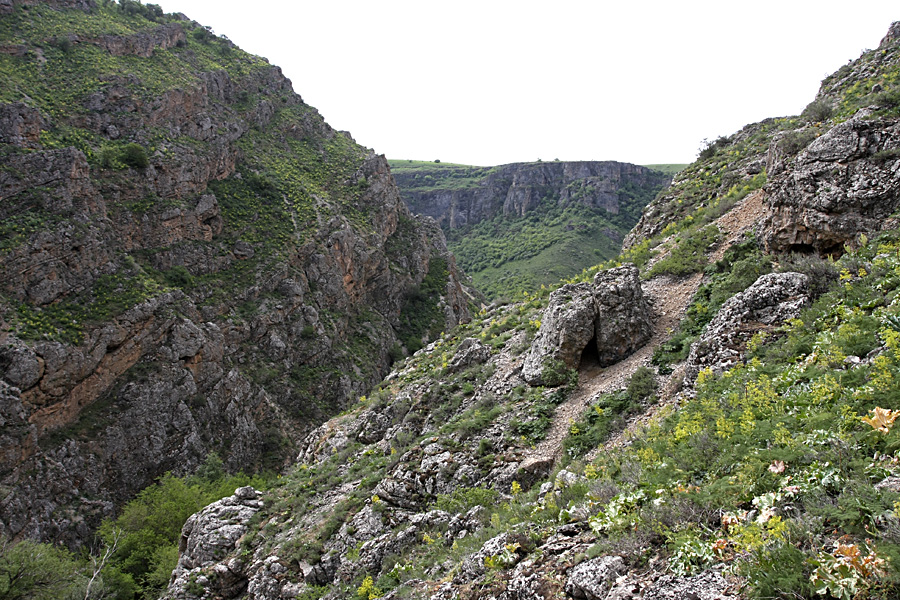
(689, 254)
(424, 176)
(146, 533)
(609, 414)
(741, 265)
(668, 168)
(421, 317)
(33, 571)
(73, 71)
(506, 256)
(110, 296)
(797, 436)
(139, 548)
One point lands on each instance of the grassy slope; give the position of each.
(668, 168)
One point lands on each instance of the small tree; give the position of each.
(134, 155)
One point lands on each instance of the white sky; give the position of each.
(499, 81)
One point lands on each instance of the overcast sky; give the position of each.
(497, 81)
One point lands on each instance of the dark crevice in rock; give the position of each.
(590, 357)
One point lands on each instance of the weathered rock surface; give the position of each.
(623, 321)
(592, 579)
(471, 352)
(567, 326)
(845, 183)
(206, 538)
(237, 343)
(769, 302)
(708, 585)
(518, 188)
(611, 311)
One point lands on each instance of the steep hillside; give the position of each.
(715, 420)
(516, 227)
(191, 260)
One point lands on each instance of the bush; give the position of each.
(795, 141)
(642, 385)
(39, 571)
(711, 147)
(555, 373)
(179, 277)
(822, 273)
(818, 111)
(134, 155)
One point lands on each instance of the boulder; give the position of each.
(592, 579)
(769, 302)
(708, 585)
(611, 310)
(470, 352)
(623, 320)
(567, 326)
(845, 183)
(206, 538)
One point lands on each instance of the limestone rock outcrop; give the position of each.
(206, 537)
(611, 312)
(623, 322)
(516, 189)
(770, 301)
(592, 579)
(845, 183)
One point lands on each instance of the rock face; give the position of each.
(623, 321)
(206, 537)
(845, 183)
(516, 189)
(611, 311)
(592, 579)
(769, 302)
(239, 279)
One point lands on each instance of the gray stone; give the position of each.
(612, 310)
(470, 352)
(769, 302)
(708, 585)
(592, 579)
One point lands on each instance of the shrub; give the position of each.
(822, 273)
(642, 385)
(795, 141)
(134, 155)
(462, 499)
(711, 147)
(818, 111)
(555, 373)
(203, 35)
(178, 276)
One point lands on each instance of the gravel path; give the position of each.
(669, 299)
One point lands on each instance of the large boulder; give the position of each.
(622, 324)
(206, 538)
(611, 310)
(847, 182)
(769, 302)
(567, 327)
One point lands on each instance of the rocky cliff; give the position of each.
(516, 227)
(456, 197)
(704, 427)
(191, 260)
